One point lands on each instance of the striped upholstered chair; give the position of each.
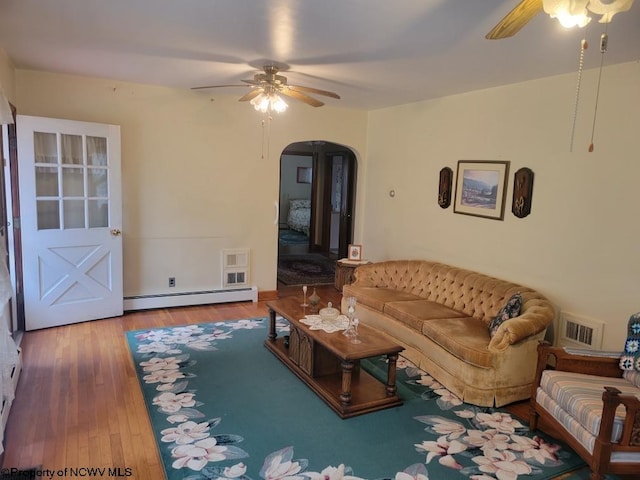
(592, 404)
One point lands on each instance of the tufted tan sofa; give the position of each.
(441, 315)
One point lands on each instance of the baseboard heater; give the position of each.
(183, 299)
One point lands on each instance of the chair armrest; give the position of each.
(568, 360)
(630, 436)
(593, 353)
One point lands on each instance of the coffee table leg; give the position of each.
(345, 395)
(391, 374)
(272, 325)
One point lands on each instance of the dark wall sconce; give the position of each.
(444, 189)
(522, 192)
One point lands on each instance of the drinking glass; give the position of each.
(304, 296)
(351, 310)
(354, 337)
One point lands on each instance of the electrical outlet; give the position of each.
(172, 281)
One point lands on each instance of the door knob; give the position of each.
(115, 232)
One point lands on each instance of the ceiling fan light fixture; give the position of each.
(570, 13)
(568, 20)
(266, 102)
(278, 104)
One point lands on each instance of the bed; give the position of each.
(299, 215)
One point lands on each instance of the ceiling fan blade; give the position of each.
(216, 86)
(300, 96)
(515, 19)
(252, 82)
(251, 95)
(317, 91)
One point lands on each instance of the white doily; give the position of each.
(315, 322)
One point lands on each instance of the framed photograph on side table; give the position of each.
(355, 252)
(481, 187)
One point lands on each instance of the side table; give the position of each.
(345, 269)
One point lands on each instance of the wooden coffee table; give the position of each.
(330, 364)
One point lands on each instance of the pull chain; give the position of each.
(266, 133)
(604, 39)
(583, 46)
(262, 146)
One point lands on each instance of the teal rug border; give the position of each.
(412, 387)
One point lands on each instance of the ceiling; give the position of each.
(374, 53)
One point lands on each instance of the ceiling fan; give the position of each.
(568, 12)
(268, 85)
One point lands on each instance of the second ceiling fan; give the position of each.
(573, 12)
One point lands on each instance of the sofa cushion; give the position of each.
(465, 337)
(569, 423)
(509, 310)
(374, 297)
(415, 312)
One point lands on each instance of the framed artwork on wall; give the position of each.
(522, 192)
(444, 187)
(304, 175)
(355, 252)
(481, 187)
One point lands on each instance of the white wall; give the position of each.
(6, 75)
(197, 175)
(581, 243)
(290, 189)
(195, 181)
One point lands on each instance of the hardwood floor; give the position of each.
(78, 403)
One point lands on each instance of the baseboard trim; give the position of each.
(266, 296)
(183, 299)
(15, 376)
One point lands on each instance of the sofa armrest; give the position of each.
(368, 275)
(536, 318)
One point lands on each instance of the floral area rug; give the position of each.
(223, 407)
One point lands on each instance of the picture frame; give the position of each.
(522, 192)
(304, 175)
(355, 252)
(481, 188)
(444, 187)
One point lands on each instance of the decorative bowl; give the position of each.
(329, 314)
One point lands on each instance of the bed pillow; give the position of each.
(511, 309)
(299, 203)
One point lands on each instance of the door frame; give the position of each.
(347, 199)
(322, 152)
(11, 201)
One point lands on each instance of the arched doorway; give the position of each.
(317, 203)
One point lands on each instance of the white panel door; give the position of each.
(71, 217)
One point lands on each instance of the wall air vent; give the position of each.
(235, 268)
(581, 332)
